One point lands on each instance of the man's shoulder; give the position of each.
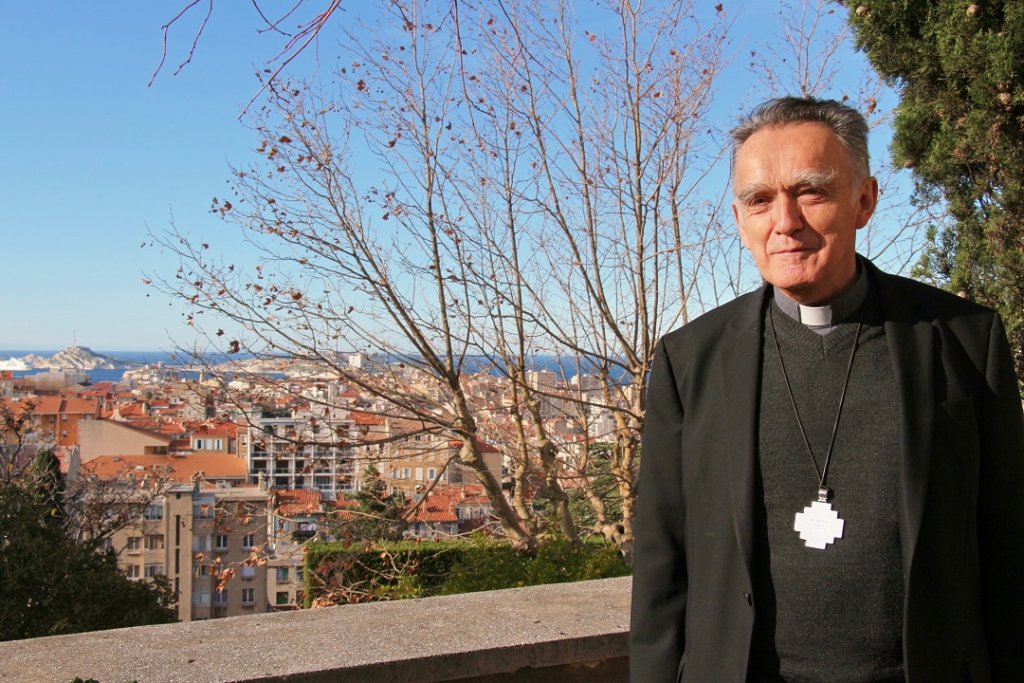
(740, 312)
(926, 301)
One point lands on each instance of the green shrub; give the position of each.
(339, 573)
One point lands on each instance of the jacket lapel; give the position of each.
(740, 367)
(911, 348)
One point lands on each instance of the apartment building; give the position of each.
(294, 517)
(208, 543)
(302, 448)
(58, 418)
(411, 462)
(114, 437)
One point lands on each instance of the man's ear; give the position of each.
(867, 200)
(739, 224)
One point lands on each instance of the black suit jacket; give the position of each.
(960, 508)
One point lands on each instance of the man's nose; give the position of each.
(788, 216)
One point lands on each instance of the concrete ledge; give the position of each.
(564, 632)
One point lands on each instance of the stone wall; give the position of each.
(560, 632)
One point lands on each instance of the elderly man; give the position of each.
(832, 465)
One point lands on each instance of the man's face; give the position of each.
(798, 209)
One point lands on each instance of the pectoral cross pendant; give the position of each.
(819, 525)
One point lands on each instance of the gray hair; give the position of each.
(845, 121)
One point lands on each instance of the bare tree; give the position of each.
(589, 154)
(490, 185)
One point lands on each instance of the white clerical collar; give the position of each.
(816, 316)
(822, 319)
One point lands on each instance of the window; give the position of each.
(134, 544)
(419, 474)
(201, 598)
(220, 597)
(248, 541)
(248, 596)
(222, 542)
(155, 542)
(282, 598)
(248, 572)
(198, 445)
(406, 473)
(431, 473)
(202, 510)
(394, 473)
(152, 570)
(154, 512)
(133, 571)
(200, 543)
(282, 574)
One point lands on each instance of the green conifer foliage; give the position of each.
(959, 125)
(379, 514)
(51, 584)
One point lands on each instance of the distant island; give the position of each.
(71, 358)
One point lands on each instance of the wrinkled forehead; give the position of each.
(796, 149)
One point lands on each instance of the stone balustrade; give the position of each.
(561, 632)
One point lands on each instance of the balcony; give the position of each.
(571, 633)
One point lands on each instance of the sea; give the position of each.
(564, 366)
(102, 375)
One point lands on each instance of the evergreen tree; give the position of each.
(51, 584)
(50, 481)
(959, 125)
(379, 514)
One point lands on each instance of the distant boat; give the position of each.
(16, 364)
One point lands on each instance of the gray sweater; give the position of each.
(834, 614)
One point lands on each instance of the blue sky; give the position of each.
(94, 158)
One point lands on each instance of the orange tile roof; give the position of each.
(483, 445)
(47, 405)
(175, 468)
(215, 429)
(343, 508)
(440, 505)
(290, 502)
(141, 426)
(81, 406)
(172, 428)
(361, 418)
(129, 410)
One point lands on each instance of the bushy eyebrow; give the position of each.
(808, 178)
